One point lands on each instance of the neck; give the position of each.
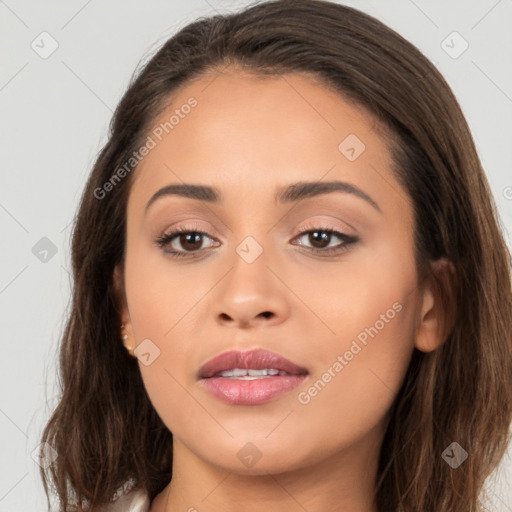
(343, 481)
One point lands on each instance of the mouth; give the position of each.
(250, 373)
(251, 377)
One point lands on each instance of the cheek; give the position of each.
(360, 365)
(361, 375)
(357, 376)
(158, 295)
(157, 313)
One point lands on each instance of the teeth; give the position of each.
(249, 373)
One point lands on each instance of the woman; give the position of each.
(291, 289)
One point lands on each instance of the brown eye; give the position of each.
(320, 239)
(191, 241)
(182, 242)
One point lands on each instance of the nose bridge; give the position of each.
(250, 229)
(249, 291)
(249, 265)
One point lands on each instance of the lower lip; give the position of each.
(251, 392)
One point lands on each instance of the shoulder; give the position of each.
(127, 498)
(133, 501)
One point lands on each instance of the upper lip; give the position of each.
(257, 359)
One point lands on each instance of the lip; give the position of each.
(256, 359)
(250, 392)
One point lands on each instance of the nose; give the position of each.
(246, 320)
(251, 295)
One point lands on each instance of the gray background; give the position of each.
(54, 114)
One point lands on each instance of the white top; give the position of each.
(125, 499)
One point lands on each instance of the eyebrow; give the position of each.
(289, 194)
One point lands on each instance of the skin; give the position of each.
(248, 136)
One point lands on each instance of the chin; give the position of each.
(257, 458)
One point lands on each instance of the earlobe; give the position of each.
(437, 315)
(125, 326)
(427, 338)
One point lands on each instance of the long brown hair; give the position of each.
(105, 430)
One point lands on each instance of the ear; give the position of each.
(438, 306)
(120, 296)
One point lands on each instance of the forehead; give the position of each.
(255, 131)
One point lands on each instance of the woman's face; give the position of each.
(267, 274)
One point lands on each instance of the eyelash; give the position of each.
(167, 238)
